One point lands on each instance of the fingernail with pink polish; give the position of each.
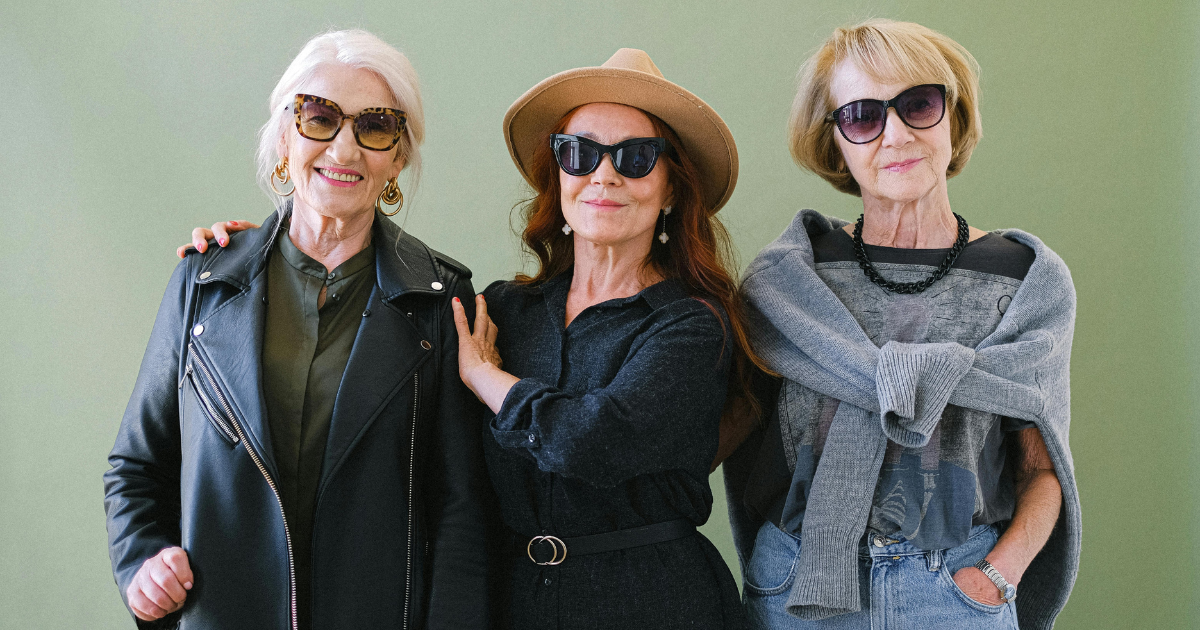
(221, 241)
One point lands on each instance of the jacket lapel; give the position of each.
(391, 344)
(229, 334)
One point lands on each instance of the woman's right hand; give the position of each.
(478, 360)
(160, 587)
(220, 231)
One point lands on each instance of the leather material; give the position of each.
(178, 479)
(535, 548)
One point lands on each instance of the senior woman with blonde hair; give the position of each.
(916, 462)
(299, 451)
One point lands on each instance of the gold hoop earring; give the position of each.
(281, 173)
(391, 195)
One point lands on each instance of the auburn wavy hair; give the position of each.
(699, 252)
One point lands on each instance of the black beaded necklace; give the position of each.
(909, 287)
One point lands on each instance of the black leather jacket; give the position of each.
(399, 535)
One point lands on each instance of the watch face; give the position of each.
(1010, 593)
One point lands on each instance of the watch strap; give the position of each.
(1008, 592)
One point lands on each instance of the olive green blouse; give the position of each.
(305, 351)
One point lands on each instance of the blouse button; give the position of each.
(532, 439)
(425, 344)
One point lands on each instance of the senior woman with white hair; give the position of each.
(916, 463)
(299, 451)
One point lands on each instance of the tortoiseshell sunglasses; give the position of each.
(375, 128)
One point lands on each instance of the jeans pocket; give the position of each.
(977, 547)
(966, 599)
(772, 566)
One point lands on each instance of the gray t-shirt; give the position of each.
(931, 495)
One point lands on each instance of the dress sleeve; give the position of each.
(661, 411)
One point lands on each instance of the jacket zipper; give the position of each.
(222, 425)
(287, 534)
(411, 458)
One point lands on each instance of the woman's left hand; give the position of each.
(976, 585)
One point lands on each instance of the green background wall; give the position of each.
(127, 123)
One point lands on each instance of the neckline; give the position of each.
(940, 250)
(556, 289)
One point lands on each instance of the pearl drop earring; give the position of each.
(662, 237)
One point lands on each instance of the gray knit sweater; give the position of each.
(898, 392)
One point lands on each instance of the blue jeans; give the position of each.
(902, 587)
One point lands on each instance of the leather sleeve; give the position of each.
(460, 491)
(141, 490)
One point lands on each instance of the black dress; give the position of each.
(613, 425)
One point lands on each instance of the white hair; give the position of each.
(357, 49)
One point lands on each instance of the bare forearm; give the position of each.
(490, 384)
(1039, 499)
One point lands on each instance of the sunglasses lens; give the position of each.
(319, 121)
(637, 160)
(921, 107)
(376, 131)
(577, 158)
(861, 121)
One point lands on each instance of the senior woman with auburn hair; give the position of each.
(616, 355)
(916, 463)
(299, 451)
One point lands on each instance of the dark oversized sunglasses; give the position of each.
(632, 158)
(920, 107)
(375, 128)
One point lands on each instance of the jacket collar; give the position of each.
(403, 264)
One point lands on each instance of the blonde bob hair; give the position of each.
(357, 49)
(888, 52)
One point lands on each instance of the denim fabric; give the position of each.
(613, 425)
(902, 587)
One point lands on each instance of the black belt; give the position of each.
(552, 550)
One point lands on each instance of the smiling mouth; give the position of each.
(341, 177)
(903, 166)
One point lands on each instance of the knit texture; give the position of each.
(898, 392)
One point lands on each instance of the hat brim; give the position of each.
(705, 137)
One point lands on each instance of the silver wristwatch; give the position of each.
(1008, 592)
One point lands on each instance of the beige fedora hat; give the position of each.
(629, 78)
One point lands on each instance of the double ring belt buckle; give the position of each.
(555, 542)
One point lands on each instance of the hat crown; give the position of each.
(633, 59)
